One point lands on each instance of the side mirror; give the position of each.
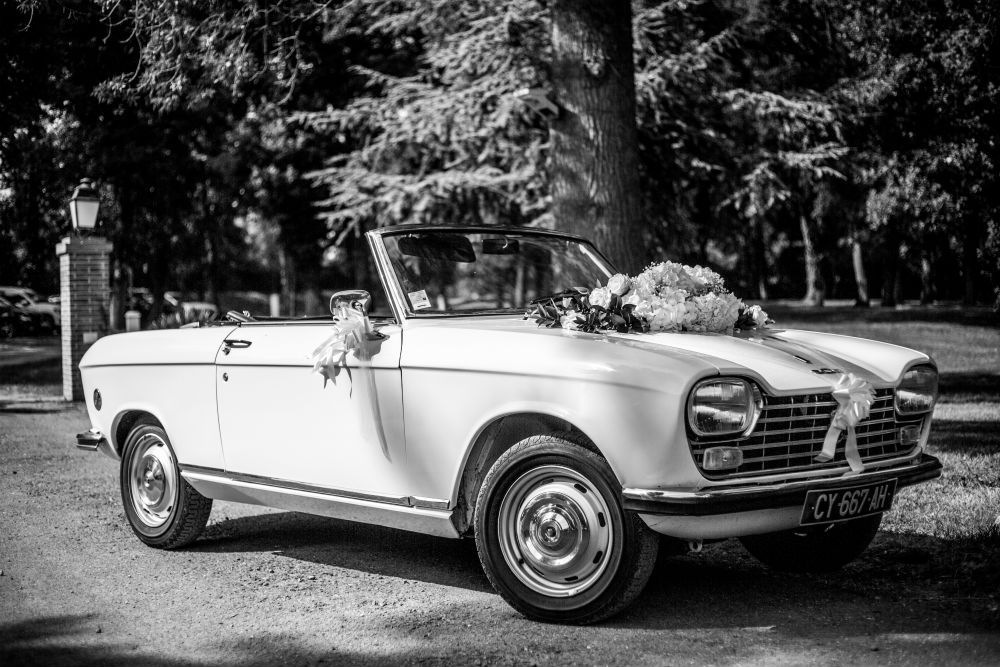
(351, 298)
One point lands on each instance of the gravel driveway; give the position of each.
(272, 587)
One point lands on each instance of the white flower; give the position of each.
(667, 317)
(757, 314)
(600, 296)
(568, 321)
(619, 284)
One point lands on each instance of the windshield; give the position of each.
(442, 272)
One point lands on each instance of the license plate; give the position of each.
(831, 505)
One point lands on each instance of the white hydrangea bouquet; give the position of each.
(668, 296)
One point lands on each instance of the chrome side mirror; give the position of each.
(351, 298)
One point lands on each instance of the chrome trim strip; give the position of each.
(800, 418)
(288, 485)
(752, 489)
(809, 441)
(385, 274)
(792, 406)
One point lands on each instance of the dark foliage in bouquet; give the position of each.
(550, 311)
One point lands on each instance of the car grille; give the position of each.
(790, 433)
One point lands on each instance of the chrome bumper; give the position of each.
(90, 440)
(747, 497)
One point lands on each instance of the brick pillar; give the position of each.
(84, 283)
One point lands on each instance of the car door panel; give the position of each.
(280, 420)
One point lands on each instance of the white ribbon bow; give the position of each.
(349, 330)
(855, 396)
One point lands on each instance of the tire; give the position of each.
(818, 549)
(164, 511)
(6, 329)
(533, 502)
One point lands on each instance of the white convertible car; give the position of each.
(441, 409)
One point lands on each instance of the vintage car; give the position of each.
(570, 457)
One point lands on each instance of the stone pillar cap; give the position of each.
(83, 245)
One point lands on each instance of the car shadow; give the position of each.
(905, 582)
(345, 544)
(900, 585)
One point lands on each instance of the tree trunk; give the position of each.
(122, 275)
(860, 277)
(890, 268)
(595, 155)
(926, 282)
(759, 259)
(286, 268)
(815, 286)
(970, 263)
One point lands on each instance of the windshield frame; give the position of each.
(400, 305)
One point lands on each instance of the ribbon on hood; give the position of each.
(855, 397)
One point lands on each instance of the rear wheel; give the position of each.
(163, 509)
(816, 549)
(552, 536)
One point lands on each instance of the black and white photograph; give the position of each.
(529, 332)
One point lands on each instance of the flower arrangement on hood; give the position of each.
(668, 296)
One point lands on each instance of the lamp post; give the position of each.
(84, 262)
(84, 205)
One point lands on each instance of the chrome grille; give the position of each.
(790, 433)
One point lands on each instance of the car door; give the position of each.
(282, 421)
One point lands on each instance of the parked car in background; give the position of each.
(14, 320)
(46, 317)
(443, 409)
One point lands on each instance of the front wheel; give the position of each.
(553, 538)
(163, 509)
(815, 549)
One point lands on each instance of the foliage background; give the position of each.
(806, 149)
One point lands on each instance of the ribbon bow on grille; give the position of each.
(855, 397)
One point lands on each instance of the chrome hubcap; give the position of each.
(152, 481)
(555, 531)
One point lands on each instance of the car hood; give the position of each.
(781, 360)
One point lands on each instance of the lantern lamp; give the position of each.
(83, 206)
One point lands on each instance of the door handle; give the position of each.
(230, 343)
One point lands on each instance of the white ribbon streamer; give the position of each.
(855, 397)
(349, 330)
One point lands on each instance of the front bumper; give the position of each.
(749, 497)
(94, 441)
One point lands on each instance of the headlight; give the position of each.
(721, 407)
(917, 391)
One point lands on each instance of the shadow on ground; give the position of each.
(896, 593)
(344, 544)
(59, 641)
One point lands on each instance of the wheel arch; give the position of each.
(493, 439)
(125, 421)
